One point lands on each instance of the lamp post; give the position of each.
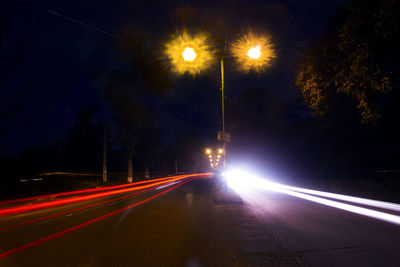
(223, 108)
(193, 54)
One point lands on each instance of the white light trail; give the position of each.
(163, 186)
(355, 209)
(358, 200)
(244, 183)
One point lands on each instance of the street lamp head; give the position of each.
(220, 151)
(254, 52)
(208, 151)
(189, 54)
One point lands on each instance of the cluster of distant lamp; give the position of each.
(215, 157)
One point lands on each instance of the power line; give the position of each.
(77, 21)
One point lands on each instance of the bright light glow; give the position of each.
(220, 151)
(219, 156)
(208, 151)
(189, 53)
(244, 182)
(210, 156)
(253, 52)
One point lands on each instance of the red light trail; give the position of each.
(73, 210)
(54, 203)
(83, 191)
(74, 228)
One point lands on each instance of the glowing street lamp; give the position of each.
(253, 52)
(193, 53)
(189, 53)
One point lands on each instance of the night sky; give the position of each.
(65, 55)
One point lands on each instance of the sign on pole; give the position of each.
(224, 136)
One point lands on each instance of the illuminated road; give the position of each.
(196, 224)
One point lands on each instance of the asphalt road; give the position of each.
(197, 224)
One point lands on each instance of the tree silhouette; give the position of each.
(354, 66)
(133, 92)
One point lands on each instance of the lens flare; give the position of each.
(253, 52)
(189, 53)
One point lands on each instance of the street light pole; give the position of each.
(193, 54)
(223, 105)
(223, 93)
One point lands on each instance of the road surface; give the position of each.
(197, 224)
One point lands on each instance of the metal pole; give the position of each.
(223, 93)
(105, 155)
(223, 107)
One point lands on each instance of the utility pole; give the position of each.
(105, 155)
(176, 167)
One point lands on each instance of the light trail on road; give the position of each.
(73, 210)
(83, 191)
(245, 183)
(74, 228)
(352, 199)
(54, 203)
